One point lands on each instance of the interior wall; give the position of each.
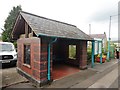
(61, 51)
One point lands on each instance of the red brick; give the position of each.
(43, 66)
(37, 65)
(36, 74)
(43, 74)
(36, 57)
(36, 49)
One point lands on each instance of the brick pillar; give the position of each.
(32, 73)
(82, 52)
(44, 63)
(36, 60)
(19, 51)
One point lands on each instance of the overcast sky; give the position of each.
(77, 12)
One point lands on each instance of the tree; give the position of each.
(9, 23)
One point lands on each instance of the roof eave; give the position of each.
(38, 35)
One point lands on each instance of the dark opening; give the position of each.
(64, 58)
(27, 55)
(29, 30)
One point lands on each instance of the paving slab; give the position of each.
(91, 80)
(102, 67)
(106, 80)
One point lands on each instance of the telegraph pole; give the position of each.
(108, 54)
(89, 29)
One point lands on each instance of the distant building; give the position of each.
(116, 42)
(103, 37)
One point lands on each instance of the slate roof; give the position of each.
(48, 27)
(100, 36)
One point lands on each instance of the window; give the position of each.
(27, 55)
(72, 51)
(6, 47)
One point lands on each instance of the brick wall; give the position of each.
(82, 54)
(38, 68)
(44, 60)
(34, 70)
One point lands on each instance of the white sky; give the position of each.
(77, 12)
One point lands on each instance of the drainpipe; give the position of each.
(49, 46)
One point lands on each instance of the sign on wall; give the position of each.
(98, 47)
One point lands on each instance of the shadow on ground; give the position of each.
(7, 65)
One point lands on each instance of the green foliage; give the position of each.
(89, 56)
(0, 38)
(72, 51)
(9, 23)
(106, 48)
(15, 44)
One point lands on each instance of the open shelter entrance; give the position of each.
(66, 55)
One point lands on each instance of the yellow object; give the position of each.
(103, 56)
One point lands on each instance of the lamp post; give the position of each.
(108, 53)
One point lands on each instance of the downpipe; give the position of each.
(49, 46)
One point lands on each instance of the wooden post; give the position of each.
(26, 30)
